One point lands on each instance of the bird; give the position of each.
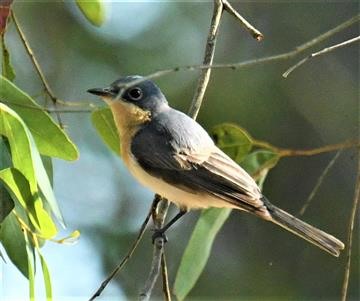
(173, 155)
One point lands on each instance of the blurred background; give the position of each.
(317, 105)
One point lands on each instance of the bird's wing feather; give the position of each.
(185, 156)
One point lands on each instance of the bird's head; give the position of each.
(132, 100)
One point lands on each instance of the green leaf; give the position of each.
(31, 267)
(6, 203)
(49, 137)
(198, 250)
(7, 69)
(233, 140)
(93, 10)
(103, 122)
(19, 188)
(26, 159)
(47, 162)
(46, 276)
(260, 161)
(12, 239)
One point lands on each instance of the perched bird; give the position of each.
(171, 154)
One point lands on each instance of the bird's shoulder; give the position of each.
(171, 132)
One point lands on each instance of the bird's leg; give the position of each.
(161, 232)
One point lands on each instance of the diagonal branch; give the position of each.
(249, 63)
(251, 29)
(126, 258)
(351, 231)
(321, 52)
(36, 65)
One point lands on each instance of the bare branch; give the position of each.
(350, 233)
(251, 29)
(125, 259)
(208, 59)
(319, 182)
(165, 277)
(321, 52)
(284, 152)
(158, 216)
(249, 63)
(36, 65)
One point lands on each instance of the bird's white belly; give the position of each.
(183, 199)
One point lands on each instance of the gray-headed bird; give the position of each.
(171, 154)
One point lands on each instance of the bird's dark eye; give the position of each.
(135, 93)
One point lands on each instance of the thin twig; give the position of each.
(50, 110)
(249, 63)
(159, 217)
(36, 65)
(251, 29)
(284, 152)
(165, 278)
(208, 59)
(125, 259)
(321, 52)
(319, 182)
(350, 232)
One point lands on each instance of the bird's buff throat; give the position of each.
(127, 116)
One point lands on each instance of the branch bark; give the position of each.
(126, 258)
(36, 65)
(321, 52)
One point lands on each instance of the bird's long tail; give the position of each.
(317, 237)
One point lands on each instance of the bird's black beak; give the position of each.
(101, 91)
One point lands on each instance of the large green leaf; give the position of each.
(26, 159)
(19, 188)
(46, 276)
(103, 121)
(50, 139)
(31, 266)
(12, 238)
(233, 140)
(198, 250)
(93, 10)
(6, 203)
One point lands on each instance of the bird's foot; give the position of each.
(159, 233)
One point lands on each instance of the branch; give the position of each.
(319, 182)
(126, 258)
(350, 233)
(321, 52)
(36, 65)
(249, 63)
(251, 29)
(87, 109)
(158, 217)
(208, 59)
(165, 277)
(283, 152)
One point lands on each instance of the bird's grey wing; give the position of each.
(180, 152)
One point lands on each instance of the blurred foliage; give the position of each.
(317, 105)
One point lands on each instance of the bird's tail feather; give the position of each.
(317, 237)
